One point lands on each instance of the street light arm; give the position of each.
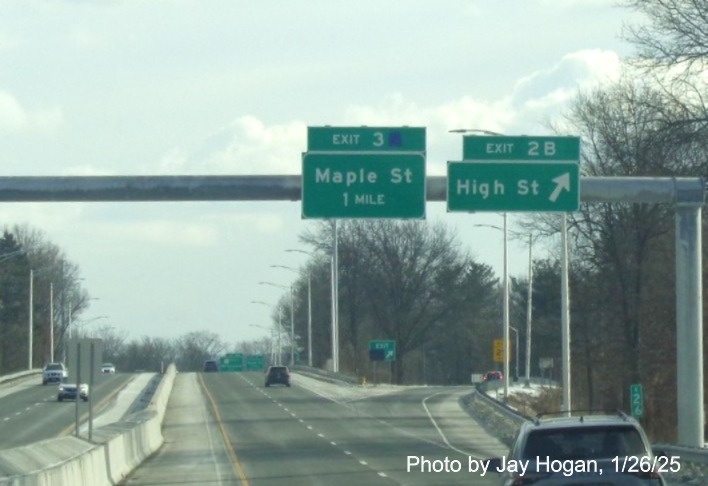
(286, 268)
(475, 130)
(274, 285)
(299, 251)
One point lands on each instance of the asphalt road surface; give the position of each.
(30, 412)
(296, 436)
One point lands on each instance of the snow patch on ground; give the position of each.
(345, 392)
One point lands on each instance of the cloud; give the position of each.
(249, 145)
(16, 118)
(246, 146)
(577, 70)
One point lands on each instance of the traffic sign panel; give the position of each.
(498, 350)
(521, 148)
(513, 186)
(637, 398)
(379, 347)
(255, 362)
(369, 139)
(231, 362)
(363, 185)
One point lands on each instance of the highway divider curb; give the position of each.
(117, 449)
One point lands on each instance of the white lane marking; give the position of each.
(17, 413)
(301, 421)
(28, 408)
(286, 409)
(363, 463)
(382, 474)
(435, 424)
(320, 436)
(333, 443)
(348, 453)
(6, 419)
(309, 427)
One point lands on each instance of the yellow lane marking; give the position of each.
(238, 469)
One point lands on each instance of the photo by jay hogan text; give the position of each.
(541, 464)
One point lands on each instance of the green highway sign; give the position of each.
(363, 185)
(520, 148)
(231, 362)
(637, 400)
(513, 186)
(366, 139)
(255, 362)
(386, 349)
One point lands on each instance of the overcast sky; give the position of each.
(114, 87)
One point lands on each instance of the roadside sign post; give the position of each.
(383, 350)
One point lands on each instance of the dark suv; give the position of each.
(584, 449)
(277, 374)
(210, 365)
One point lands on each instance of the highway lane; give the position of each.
(32, 413)
(293, 436)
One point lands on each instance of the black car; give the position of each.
(277, 375)
(211, 366)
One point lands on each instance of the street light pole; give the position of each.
(309, 307)
(292, 316)
(335, 301)
(529, 310)
(309, 318)
(516, 366)
(31, 318)
(565, 317)
(506, 312)
(51, 322)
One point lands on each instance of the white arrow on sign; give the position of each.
(562, 182)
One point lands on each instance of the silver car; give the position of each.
(582, 450)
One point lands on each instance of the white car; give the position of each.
(54, 373)
(108, 368)
(69, 391)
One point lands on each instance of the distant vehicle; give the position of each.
(71, 392)
(277, 374)
(493, 375)
(54, 373)
(108, 368)
(210, 366)
(615, 445)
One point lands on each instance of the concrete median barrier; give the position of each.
(116, 450)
